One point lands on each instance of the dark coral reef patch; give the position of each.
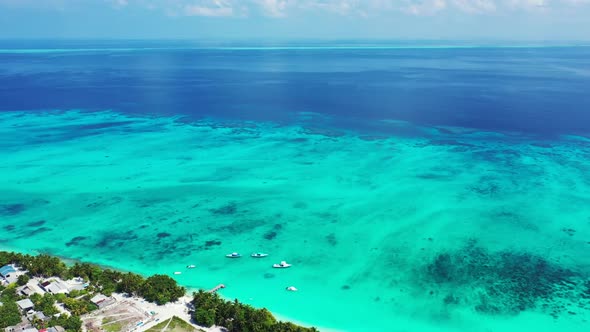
(76, 240)
(36, 223)
(502, 283)
(227, 209)
(11, 209)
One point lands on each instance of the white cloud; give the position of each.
(283, 8)
(429, 7)
(210, 8)
(276, 8)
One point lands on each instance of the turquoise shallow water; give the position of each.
(460, 230)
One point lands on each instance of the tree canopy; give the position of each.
(210, 310)
(161, 289)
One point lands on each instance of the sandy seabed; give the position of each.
(457, 230)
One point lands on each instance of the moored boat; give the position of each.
(233, 255)
(258, 255)
(281, 265)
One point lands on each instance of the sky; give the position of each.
(550, 20)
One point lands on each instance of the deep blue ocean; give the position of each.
(542, 91)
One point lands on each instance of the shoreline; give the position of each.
(189, 290)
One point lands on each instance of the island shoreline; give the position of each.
(189, 290)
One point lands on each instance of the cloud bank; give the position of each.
(285, 8)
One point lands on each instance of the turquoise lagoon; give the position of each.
(456, 229)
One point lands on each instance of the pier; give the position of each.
(218, 287)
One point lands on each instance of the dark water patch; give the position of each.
(102, 125)
(514, 219)
(298, 140)
(370, 138)
(163, 235)
(448, 142)
(435, 176)
(486, 188)
(39, 231)
(238, 226)
(270, 235)
(542, 145)
(9, 228)
(12, 209)
(507, 282)
(569, 231)
(76, 241)
(450, 299)
(268, 275)
(36, 223)
(227, 209)
(331, 239)
(503, 156)
(212, 243)
(102, 203)
(345, 287)
(115, 239)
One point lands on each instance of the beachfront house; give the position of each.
(25, 305)
(8, 274)
(55, 287)
(102, 301)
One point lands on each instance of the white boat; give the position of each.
(258, 255)
(281, 265)
(291, 289)
(177, 272)
(233, 255)
(191, 266)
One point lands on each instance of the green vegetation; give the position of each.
(44, 303)
(22, 280)
(210, 310)
(9, 314)
(176, 325)
(79, 307)
(161, 289)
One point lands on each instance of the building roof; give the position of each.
(27, 291)
(6, 270)
(56, 329)
(40, 315)
(25, 304)
(57, 287)
(98, 298)
(31, 330)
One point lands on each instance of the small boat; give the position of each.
(258, 255)
(291, 289)
(191, 266)
(233, 255)
(177, 272)
(281, 265)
